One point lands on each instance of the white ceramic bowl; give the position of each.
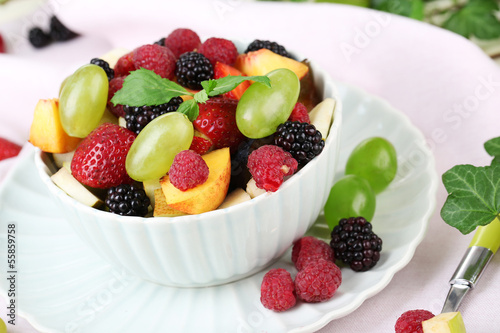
(215, 247)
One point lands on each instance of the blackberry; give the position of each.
(160, 42)
(354, 242)
(265, 44)
(59, 32)
(127, 200)
(302, 140)
(192, 68)
(38, 38)
(104, 65)
(138, 117)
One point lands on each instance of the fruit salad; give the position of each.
(182, 126)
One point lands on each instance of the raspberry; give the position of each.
(8, 149)
(124, 65)
(2, 45)
(354, 242)
(192, 68)
(115, 85)
(219, 49)
(127, 200)
(302, 140)
(38, 38)
(277, 291)
(188, 170)
(318, 281)
(309, 249)
(99, 159)
(59, 31)
(411, 321)
(265, 44)
(157, 58)
(269, 165)
(300, 114)
(181, 41)
(110, 73)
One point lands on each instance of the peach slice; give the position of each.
(264, 61)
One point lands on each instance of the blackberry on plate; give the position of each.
(38, 38)
(302, 140)
(59, 32)
(354, 242)
(127, 200)
(265, 44)
(192, 68)
(137, 117)
(104, 65)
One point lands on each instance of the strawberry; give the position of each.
(99, 160)
(217, 121)
(8, 149)
(223, 70)
(200, 145)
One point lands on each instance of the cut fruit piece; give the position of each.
(235, 197)
(449, 322)
(253, 190)
(59, 159)
(122, 122)
(149, 187)
(207, 196)
(161, 209)
(322, 116)
(223, 70)
(46, 130)
(112, 56)
(66, 182)
(264, 61)
(108, 117)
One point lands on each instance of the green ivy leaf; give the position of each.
(409, 8)
(492, 147)
(190, 109)
(477, 19)
(474, 196)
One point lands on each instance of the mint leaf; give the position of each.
(474, 196)
(209, 85)
(492, 147)
(145, 87)
(190, 109)
(477, 19)
(228, 83)
(201, 96)
(409, 8)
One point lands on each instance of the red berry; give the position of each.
(318, 281)
(8, 149)
(309, 249)
(219, 50)
(217, 121)
(99, 160)
(2, 45)
(223, 70)
(156, 58)
(411, 321)
(200, 145)
(277, 291)
(299, 113)
(188, 170)
(124, 65)
(181, 41)
(114, 85)
(269, 165)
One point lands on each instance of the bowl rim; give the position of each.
(319, 73)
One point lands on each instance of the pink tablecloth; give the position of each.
(445, 84)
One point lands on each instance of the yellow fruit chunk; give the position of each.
(161, 207)
(207, 196)
(264, 61)
(46, 130)
(449, 322)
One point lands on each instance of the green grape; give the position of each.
(154, 149)
(3, 327)
(375, 160)
(261, 109)
(82, 100)
(351, 196)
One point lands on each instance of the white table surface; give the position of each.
(445, 84)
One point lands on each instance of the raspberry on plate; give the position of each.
(411, 321)
(115, 84)
(8, 149)
(99, 160)
(269, 165)
(277, 291)
(188, 170)
(309, 249)
(300, 114)
(318, 281)
(181, 41)
(219, 50)
(157, 58)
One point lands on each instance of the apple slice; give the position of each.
(264, 61)
(59, 159)
(235, 197)
(322, 116)
(150, 186)
(66, 182)
(207, 196)
(112, 56)
(161, 209)
(449, 322)
(253, 190)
